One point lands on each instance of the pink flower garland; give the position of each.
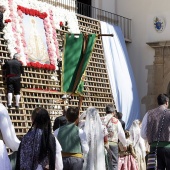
(14, 29)
(24, 44)
(54, 33)
(49, 44)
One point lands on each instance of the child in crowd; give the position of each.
(138, 143)
(127, 159)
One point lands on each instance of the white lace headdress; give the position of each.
(95, 159)
(135, 136)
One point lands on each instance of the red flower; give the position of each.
(39, 65)
(26, 11)
(52, 67)
(36, 13)
(61, 24)
(7, 20)
(32, 12)
(46, 66)
(28, 64)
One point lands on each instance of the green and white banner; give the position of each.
(76, 56)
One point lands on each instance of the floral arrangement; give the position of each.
(51, 16)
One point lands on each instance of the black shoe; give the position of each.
(17, 107)
(9, 106)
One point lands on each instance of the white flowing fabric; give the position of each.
(95, 159)
(82, 120)
(7, 129)
(120, 73)
(138, 144)
(4, 160)
(138, 141)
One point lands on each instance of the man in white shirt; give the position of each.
(156, 130)
(8, 136)
(7, 129)
(115, 133)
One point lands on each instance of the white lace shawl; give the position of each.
(135, 136)
(95, 159)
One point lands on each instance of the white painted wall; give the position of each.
(107, 5)
(142, 13)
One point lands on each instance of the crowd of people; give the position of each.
(86, 141)
(81, 142)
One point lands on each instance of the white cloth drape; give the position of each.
(7, 129)
(120, 73)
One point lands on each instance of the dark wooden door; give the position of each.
(84, 7)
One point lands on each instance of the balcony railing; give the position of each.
(96, 13)
(99, 14)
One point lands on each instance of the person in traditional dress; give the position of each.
(127, 159)
(115, 133)
(4, 159)
(138, 143)
(13, 69)
(119, 116)
(95, 159)
(39, 149)
(73, 141)
(7, 132)
(7, 136)
(156, 131)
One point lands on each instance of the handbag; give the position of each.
(152, 161)
(152, 156)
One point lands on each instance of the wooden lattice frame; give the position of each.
(38, 89)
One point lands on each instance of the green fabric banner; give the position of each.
(70, 60)
(76, 56)
(84, 62)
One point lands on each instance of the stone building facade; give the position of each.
(158, 74)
